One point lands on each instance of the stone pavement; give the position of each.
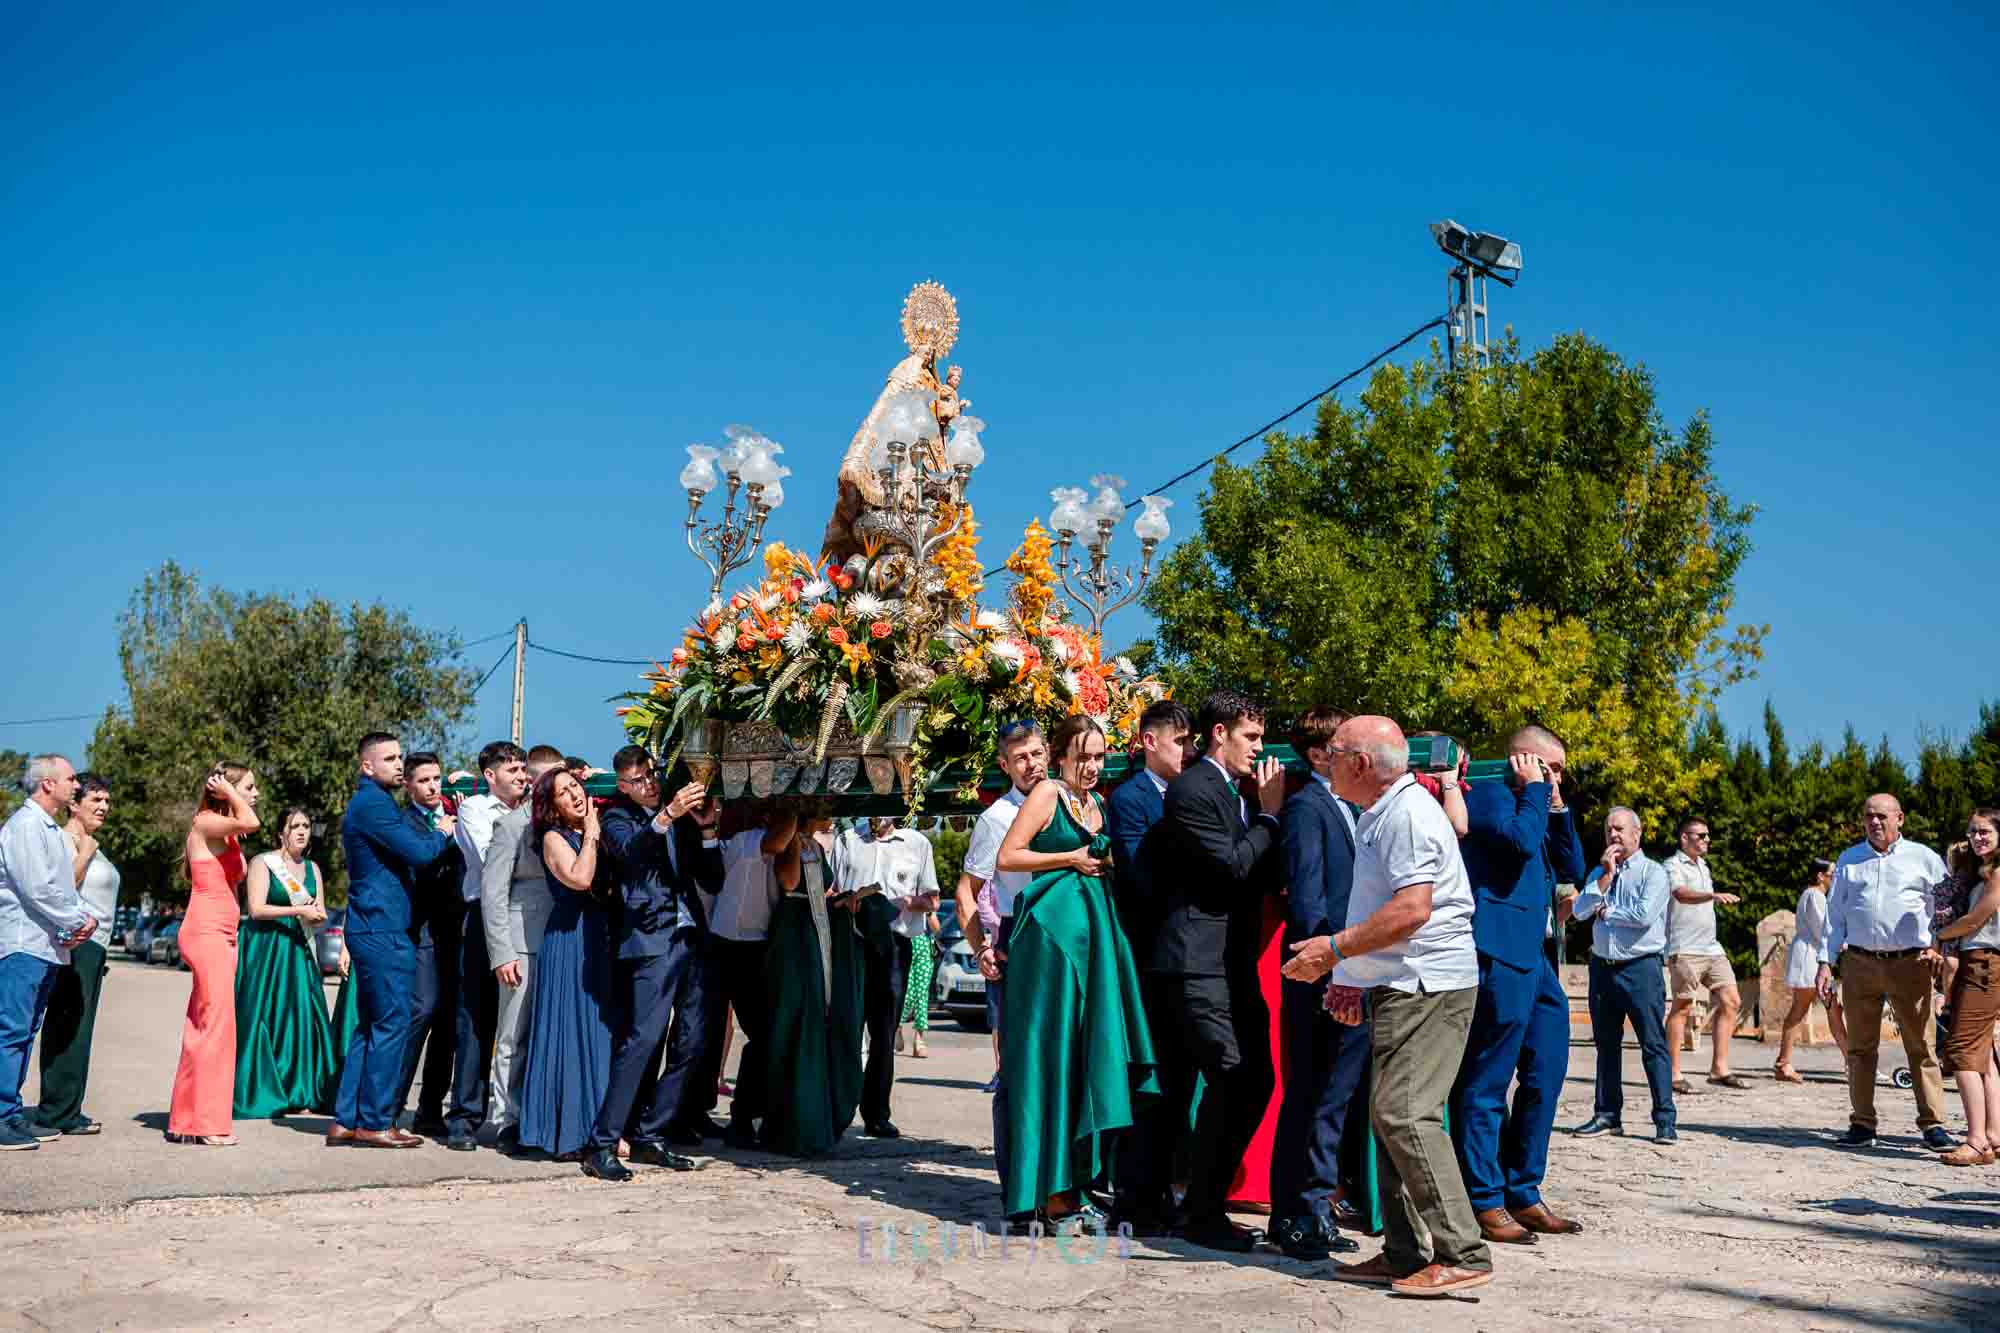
(1755, 1221)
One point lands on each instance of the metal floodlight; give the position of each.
(1496, 256)
(1451, 238)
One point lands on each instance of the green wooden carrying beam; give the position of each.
(942, 799)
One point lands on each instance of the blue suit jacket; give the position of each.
(1319, 863)
(1515, 853)
(1131, 813)
(650, 890)
(384, 851)
(438, 904)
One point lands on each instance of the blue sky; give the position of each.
(422, 307)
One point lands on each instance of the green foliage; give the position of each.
(1772, 811)
(1471, 550)
(13, 763)
(948, 849)
(286, 686)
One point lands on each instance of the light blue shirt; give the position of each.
(1631, 918)
(39, 903)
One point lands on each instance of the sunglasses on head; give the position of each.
(1019, 726)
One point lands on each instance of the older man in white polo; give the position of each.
(1407, 955)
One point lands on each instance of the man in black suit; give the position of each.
(433, 1039)
(651, 877)
(1325, 1062)
(1202, 999)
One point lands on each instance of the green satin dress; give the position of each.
(346, 1018)
(813, 982)
(284, 1045)
(1074, 1042)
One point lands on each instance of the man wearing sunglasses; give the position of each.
(1695, 958)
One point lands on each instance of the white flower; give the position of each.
(1071, 683)
(1125, 667)
(725, 638)
(1059, 649)
(866, 605)
(815, 590)
(770, 601)
(1010, 652)
(797, 635)
(990, 620)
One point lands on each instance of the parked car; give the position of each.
(139, 937)
(331, 935)
(956, 985)
(165, 946)
(122, 921)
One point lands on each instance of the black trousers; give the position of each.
(885, 974)
(646, 989)
(1325, 1062)
(694, 1042)
(741, 970)
(1218, 1028)
(433, 1038)
(476, 1020)
(66, 1033)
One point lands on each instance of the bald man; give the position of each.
(1880, 946)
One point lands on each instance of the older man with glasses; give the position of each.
(1880, 946)
(1696, 960)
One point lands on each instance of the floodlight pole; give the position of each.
(1465, 316)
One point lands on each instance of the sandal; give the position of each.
(1964, 1155)
(1736, 1081)
(1787, 1074)
(204, 1140)
(1685, 1088)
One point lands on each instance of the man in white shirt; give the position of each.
(1696, 960)
(42, 917)
(903, 874)
(1880, 946)
(1024, 758)
(476, 1006)
(741, 929)
(1408, 949)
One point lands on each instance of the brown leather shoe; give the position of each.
(338, 1136)
(1537, 1217)
(1501, 1229)
(1438, 1280)
(1375, 1272)
(406, 1138)
(384, 1138)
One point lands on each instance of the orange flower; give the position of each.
(823, 612)
(773, 633)
(881, 629)
(837, 635)
(680, 657)
(737, 602)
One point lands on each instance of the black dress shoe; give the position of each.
(1299, 1238)
(1087, 1217)
(460, 1141)
(654, 1153)
(1597, 1124)
(1349, 1218)
(1856, 1136)
(711, 1128)
(1219, 1233)
(882, 1129)
(742, 1134)
(432, 1126)
(682, 1135)
(508, 1141)
(603, 1163)
(1142, 1224)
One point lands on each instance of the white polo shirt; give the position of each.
(1405, 838)
(1691, 926)
(749, 890)
(982, 854)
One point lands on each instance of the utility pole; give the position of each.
(520, 655)
(1477, 256)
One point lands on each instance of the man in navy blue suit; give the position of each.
(1131, 815)
(384, 852)
(1521, 842)
(1325, 1061)
(654, 879)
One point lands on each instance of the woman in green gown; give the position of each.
(813, 974)
(1073, 1041)
(284, 1044)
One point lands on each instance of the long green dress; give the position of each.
(813, 976)
(1074, 1041)
(284, 1045)
(346, 1018)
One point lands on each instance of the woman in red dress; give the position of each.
(205, 1082)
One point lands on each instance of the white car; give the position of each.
(956, 986)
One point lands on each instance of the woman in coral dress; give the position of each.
(205, 1082)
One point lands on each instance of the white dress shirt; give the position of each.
(905, 868)
(982, 853)
(749, 889)
(1242, 806)
(476, 817)
(1691, 926)
(39, 903)
(1882, 900)
(1405, 838)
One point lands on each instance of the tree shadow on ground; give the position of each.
(971, 1085)
(1898, 1148)
(1946, 1305)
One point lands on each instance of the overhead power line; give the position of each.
(500, 662)
(585, 657)
(38, 721)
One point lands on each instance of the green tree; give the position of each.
(285, 685)
(1472, 549)
(13, 763)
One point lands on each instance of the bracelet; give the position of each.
(1333, 943)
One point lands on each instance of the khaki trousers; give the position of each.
(1419, 1043)
(1866, 983)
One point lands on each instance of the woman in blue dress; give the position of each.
(570, 994)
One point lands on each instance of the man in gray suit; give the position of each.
(514, 904)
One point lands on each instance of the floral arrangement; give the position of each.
(812, 644)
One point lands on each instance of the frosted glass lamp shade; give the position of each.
(759, 468)
(698, 477)
(1151, 525)
(1069, 515)
(963, 448)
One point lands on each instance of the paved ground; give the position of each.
(1754, 1222)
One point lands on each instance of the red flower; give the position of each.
(822, 613)
(774, 634)
(841, 579)
(881, 629)
(836, 635)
